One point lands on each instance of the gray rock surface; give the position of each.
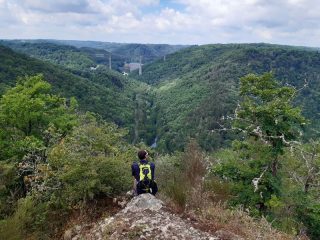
(143, 218)
(143, 202)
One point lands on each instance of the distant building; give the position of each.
(94, 68)
(126, 67)
(129, 67)
(134, 66)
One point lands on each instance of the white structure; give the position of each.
(94, 68)
(134, 66)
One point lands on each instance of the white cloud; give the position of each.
(194, 22)
(55, 6)
(147, 2)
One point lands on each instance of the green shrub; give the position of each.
(91, 161)
(310, 216)
(16, 226)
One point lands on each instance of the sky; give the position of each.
(289, 22)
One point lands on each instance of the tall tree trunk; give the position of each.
(307, 184)
(274, 166)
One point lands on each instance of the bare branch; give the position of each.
(256, 181)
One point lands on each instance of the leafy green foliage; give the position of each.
(282, 199)
(267, 112)
(270, 172)
(239, 166)
(14, 228)
(91, 161)
(26, 111)
(300, 180)
(54, 160)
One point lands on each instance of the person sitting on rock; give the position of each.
(143, 173)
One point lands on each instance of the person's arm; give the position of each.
(135, 171)
(132, 170)
(152, 166)
(134, 174)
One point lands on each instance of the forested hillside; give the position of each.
(67, 56)
(102, 91)
(197, 86)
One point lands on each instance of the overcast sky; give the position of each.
(292, 22)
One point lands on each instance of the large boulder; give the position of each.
(143, 202)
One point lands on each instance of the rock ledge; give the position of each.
(143, 218)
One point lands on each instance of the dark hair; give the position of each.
(142, 154)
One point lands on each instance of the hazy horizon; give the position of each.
(47, 39)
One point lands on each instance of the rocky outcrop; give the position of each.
(144, 217)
